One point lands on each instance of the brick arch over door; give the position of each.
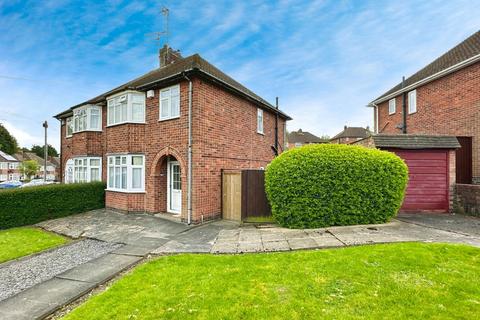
(156, 181)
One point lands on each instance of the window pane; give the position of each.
(164, 109)
(165, 93)
(124, 160)
(124, 177)
(94, 162)
(137, 160)
(117, 160)
(94, 174)
(175, 105)
(94, 118)
(117, 177)
(137, 178)
(137, 112)
(117, 113)
(110, 176)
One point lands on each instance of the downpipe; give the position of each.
(189, 154)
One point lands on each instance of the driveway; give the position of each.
(109, 242)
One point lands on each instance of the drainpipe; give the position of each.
(404, 108)
(375, 116)
(189, 156)
(276, 127)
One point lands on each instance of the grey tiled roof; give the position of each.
(301, 136)
(352, 132)
(468, 48)
(407, 141)
(191, 63)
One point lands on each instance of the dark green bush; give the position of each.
(20, 207)
(333, 185)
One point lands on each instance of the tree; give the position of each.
(39, 151)
(8, 143)
(29, 168)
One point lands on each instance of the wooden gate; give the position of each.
(243, 195)
(232, 195)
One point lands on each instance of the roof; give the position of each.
(303, 137)
(408, 141)
(467, 50)
(190, 64)
(353, 132)
(6, 157)
(24, 156)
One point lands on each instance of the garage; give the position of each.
(431, 166)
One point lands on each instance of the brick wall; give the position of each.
(468, 199)
(224, 130)
(447, 106)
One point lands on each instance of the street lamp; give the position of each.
(45, 154)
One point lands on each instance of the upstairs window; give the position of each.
(86, 118)
(126, 108)
(412, 101)
(69, 127)
(391, 106)
(259, 121)
(170, 103)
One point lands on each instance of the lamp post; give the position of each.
(45, 154)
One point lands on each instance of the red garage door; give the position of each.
(427, 188)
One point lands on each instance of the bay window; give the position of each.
(127, 107)
(126, 173)
(85, 169)
(170, 102)
(85, 118)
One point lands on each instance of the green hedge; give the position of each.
(25, 206)
(333, 185)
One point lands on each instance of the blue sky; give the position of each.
(324, 59)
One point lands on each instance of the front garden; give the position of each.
(396, 281)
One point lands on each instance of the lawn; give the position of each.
(19, 242)
(394, 281)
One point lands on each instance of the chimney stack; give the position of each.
(168, 56)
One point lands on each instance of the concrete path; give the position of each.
(140, 235)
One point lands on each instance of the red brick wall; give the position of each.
(224, 137)
(447, 106)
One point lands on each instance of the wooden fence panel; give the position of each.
(232, 195)
(254, 198)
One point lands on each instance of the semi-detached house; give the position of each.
(161, 141)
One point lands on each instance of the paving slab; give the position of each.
(271, 246)
(302, 243)
(245, 247)
(326, 240)
(224, 247)
(466, 225)
(105, 268)
(40, 300)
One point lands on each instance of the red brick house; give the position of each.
(9, 168)
(351, 134)
(160, 141)
(300, 138)
(443, 98)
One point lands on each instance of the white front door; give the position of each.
(174, 191)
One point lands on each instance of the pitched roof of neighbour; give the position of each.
(408, 141)
(6, 157)
(175, 70)
(301, 136)
(467, 49)
(353, 132)
(54, 160)
(24, 156)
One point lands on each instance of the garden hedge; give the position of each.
(317, 186)
(25, 206)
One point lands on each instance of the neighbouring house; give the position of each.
(442, 98)
(161, 141)
(51, 167)
(300, 138)
(9, 168)
(55, 163)
(351, 134)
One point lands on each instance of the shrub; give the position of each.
(19, 207)
(326, 185)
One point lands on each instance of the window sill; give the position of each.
(412, 112)
(125, 191)
(128, 122)
(391, 114)
(261, 133)
(89, 130)
(166, 119)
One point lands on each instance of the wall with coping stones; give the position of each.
(468, 199)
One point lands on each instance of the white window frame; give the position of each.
(260, 121)
(412, 101)
(3, 177)
(85, 164)
(168, 100)
(392, 106)
(4, 165)
(82, 118)
(115, 168)
(126, 100)
(69, 127)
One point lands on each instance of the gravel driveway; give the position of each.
(19, 275)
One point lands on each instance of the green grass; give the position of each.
(19, 242)
(396, 281)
